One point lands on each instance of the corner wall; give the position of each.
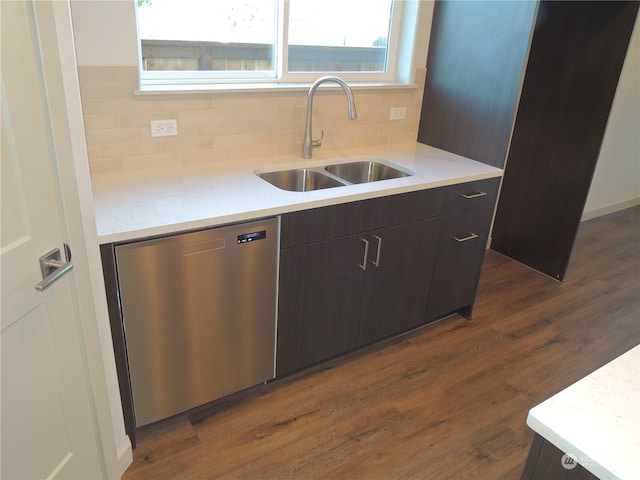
(616, 181)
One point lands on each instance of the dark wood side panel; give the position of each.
(107, 253)
(574, 64)
(477, 54)
(545, 461)
(532, 457)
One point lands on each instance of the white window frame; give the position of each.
(397, 72)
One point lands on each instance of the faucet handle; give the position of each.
(317, 143)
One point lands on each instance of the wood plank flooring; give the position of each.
(448, 401)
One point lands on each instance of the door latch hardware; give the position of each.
(52, 267)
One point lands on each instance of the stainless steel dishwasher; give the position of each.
(199, 312)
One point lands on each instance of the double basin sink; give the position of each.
(335, 175)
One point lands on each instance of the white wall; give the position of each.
(616, 181)
(105, 32)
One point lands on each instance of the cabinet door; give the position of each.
(321, 289)
(461, 251)
(398, 277)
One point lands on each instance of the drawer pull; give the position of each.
(470, 236)
(471, 195)
(363, 266)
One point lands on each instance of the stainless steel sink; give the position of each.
(365, 171)
(306, 179)
(300, 180)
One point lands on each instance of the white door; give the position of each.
(47, 422)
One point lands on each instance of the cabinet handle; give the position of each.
(470, 236)
(376, 262)
(363, 266)
(473, 195)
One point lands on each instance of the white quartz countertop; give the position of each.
(141, 203)
(597, 419)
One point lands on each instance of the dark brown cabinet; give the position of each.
(398, 278)
(477, 52)
(461, 247)
(577, 53)
(546, 461)
(529, 83)
(364, 276)
(320, 302)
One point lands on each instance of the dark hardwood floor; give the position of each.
(448, 401)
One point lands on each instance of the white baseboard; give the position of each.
(598, 212)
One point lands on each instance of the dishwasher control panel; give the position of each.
(251, 237)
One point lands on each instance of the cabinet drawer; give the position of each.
(334, 221)
(460, 253)
(459, 226)
(472, 194)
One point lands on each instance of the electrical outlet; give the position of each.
(398, 113)
(164, 128)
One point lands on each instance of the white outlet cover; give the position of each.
(398, 113)
(163, 128)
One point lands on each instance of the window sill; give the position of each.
(186, 89)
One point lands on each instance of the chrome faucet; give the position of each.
(308, 143)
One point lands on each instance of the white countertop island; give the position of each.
(141, 203)
(597, 419)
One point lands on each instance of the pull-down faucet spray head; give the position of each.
(308, 143)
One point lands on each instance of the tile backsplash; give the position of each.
(223, 126)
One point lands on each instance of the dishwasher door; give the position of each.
(199, 312)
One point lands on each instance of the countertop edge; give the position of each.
(124, 201)
(550, 417)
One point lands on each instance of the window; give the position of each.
(275, 41)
